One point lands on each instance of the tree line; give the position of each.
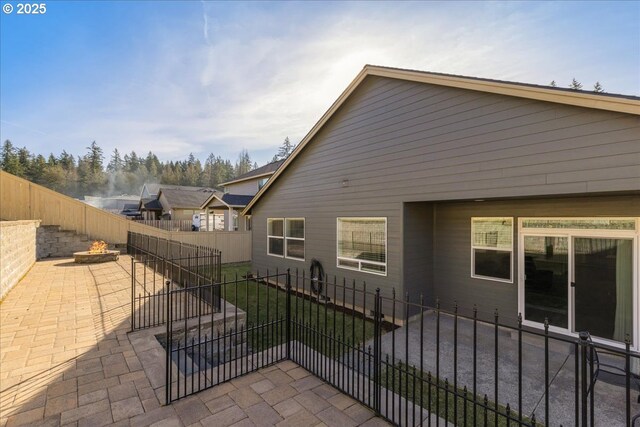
(92, 174)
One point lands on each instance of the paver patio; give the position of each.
(66, 359)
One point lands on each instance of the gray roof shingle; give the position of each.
(186, 197)
(236, 199)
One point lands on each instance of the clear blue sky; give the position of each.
(190, 76)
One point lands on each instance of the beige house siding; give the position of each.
(245, 188)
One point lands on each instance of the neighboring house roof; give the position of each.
(185, 197)
(152, 205)
(229, 200)
(603, 101)
(154, 188)
(236, 200)
(265, 170)
(130, 207)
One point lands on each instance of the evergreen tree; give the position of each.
(284, 151)
(95, 158)
(10, 161)
(37, 169)
(575, 85)
(67, 161)
(115, 164)
(24, 159)
(131, 162)
(553, 83)
(598, 88)
(243, 165)
(93, 180)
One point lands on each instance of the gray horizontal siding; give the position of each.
(396, 141)
(452, 279)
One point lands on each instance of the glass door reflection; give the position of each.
(546, 290)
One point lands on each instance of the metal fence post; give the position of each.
(584, 344)
(169, 344)
(376, 352)
(627, 374)
(133, 285)
(288, 313)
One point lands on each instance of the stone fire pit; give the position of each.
(98, 252)
(87, 257)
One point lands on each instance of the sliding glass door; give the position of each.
(580, 274)
(603, 287)
(546, 272)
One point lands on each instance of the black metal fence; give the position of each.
(159, 265)
(410, 363)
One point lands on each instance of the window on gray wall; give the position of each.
(294, 240)
(275, 236)
(362, 244)
(492, 248)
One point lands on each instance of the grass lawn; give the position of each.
(265, 304)
(437, 400)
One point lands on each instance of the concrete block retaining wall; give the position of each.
(17, 251)
(54, 242)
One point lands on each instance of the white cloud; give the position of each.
(224, 84)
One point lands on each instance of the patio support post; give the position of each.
(584, 343)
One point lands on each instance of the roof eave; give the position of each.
(213, 196)
(576, 98)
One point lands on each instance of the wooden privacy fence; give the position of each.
(24, 200)
(167, 224)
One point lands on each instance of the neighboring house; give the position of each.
(151, 208)
(151, 190)
(226, 209)
(503, 195)
(182, 203)
(131, 211)
(237, 194)
(251, 182)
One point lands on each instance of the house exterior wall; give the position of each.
(179, 213)
(394, 142)
(451, 238)
(244, 188)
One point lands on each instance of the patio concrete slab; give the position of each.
(609, 400)
(67, 358)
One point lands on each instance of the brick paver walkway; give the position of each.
(66, 359)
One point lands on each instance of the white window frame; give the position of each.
(510, 250)
(359, 261)
(270, 236)
(570, 234)
(302, 239)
